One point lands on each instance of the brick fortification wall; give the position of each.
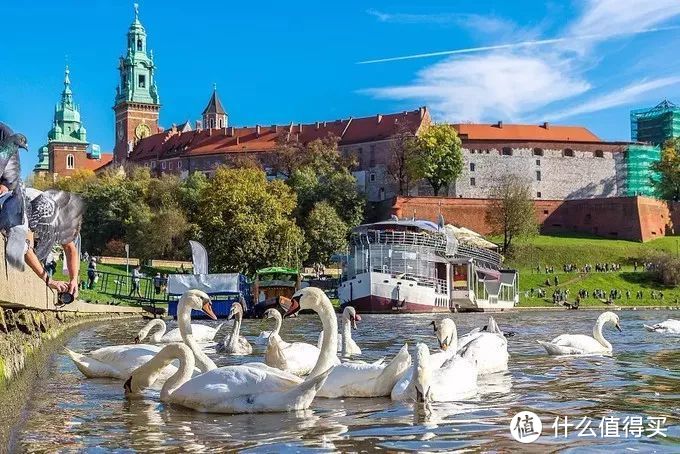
(627, 218)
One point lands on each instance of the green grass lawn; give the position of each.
(555, 251)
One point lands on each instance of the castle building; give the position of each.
(137, 104)
(67, 148)
(655, 125)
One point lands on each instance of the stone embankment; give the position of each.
(29, 317)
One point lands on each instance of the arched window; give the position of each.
(568, 152)
(70, 161)
(599, 154)
(221, 122)
(538, 151)
(139, 44)
(212, 123)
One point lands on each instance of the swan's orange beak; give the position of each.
(207, 309)
(294, 305)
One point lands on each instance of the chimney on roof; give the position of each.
(317, 125)
(546, 125)
(230, 131)
(238, 140)
(257, 130)
(300, 128)
(324, 124)
(379, 118)
(199, 125)
(499, 124)
(275, 128)
(422, 111)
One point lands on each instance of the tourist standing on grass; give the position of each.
(157, 283)
(91, 272)
(136, 277)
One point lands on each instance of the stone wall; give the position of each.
(627, 218)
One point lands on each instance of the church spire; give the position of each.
(67, 94)
(214, 115)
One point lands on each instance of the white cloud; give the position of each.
(618, 97)
(478, 87)
(521, 80)
(475, 22)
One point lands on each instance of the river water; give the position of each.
(69, 413)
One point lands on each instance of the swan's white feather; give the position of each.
(670, 326)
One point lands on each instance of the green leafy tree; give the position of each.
(247, 222)
(401, 149)
(436, 157)
(325, 232)
(668, 183)
(511, 212)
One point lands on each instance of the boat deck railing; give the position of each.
(437, 241)
(481, 255)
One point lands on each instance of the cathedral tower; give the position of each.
(137, 104)
(214, 115)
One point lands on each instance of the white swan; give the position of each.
(580, 344)
(488, 349)
(346, 344)
(246, 388)
(202, 333)
(236, 344)
(455, 381)
(119, 361)
(297, 358)
(349, 379)
(670, 326)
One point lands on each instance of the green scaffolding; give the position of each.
(640, 176)
(655, 125)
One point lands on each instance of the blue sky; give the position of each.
(584, 62)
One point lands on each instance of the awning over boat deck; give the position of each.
(209, 283)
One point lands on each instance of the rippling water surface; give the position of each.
(70, 413)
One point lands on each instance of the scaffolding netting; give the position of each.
(639, 167)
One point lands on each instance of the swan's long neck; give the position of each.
(278, 320)
(233, 338)
(597, 333)
(184, 321)
(329, 341)
(146, 374)
(346, 334)
(422, 372)
(155, 337)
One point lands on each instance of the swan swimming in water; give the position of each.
(202, 333)
(247, 388)
(118, 361)
(670, 326)
(349, 379)
(297, 358)
(455, 381)
(487, 348)
(580, 344)
(346, 345)
(236, 344)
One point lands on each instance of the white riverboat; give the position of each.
(416, 266)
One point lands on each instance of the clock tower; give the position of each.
(137, 104)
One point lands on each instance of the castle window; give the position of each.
(538, 175)
(139, 45)
(372, 177)
(153, 164)
(538, 162)
(599, 154)
(141, 81)
(538, 151)
(538, 196)
(473, 182)
(70, 161)
(568, 152)
(212, 123)
(221, 123)
(506, 151)
(179, 164)
(163, 165)
(472, 167)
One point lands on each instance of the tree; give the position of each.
(288, 155)
(437, 156)
(668, 183)
(401, 151)
(247, 222)
(325, 232)
(511, 212)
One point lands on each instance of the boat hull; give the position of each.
(379, 305)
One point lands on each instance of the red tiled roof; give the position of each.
(169, 144)
(95, 164)
(544, 132)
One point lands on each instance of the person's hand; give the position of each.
(3, 189)
(73, 288)
(59, 286)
